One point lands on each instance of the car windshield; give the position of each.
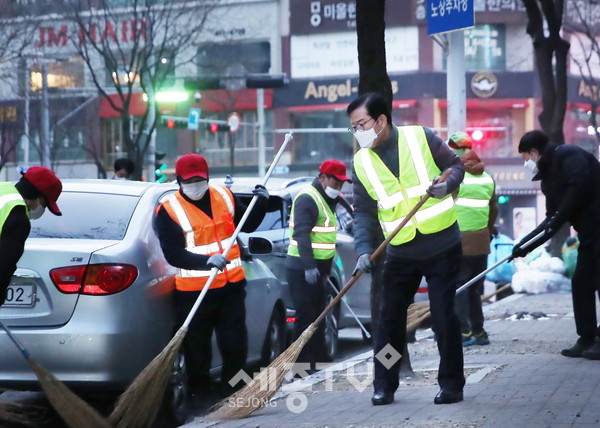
(87, 216)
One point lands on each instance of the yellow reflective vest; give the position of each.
(323, 234)
(473, 201)
(397, 196)
(9, 198)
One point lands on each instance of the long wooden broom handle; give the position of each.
(379, 250)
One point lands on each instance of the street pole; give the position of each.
(150, 119)
(455, 83)
(260, 111)
(45, 131)
(26, 115)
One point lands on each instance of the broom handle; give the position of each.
(16, 341)
(357, 273)
(214, 270)
(495, 265)
(360, 324)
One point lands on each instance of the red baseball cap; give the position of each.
(191, 165)
(47, 183)
(335, 168)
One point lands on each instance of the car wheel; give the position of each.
(331, 331)
(174, 409)
(274, 339)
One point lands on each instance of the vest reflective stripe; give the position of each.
(10, 198)
(323, 233)
(200, 232)
(473, 201)
(397, 196)
(206, 273)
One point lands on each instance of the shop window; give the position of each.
(233, 59)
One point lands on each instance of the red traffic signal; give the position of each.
(216, 127)
(170, 123)
(477, 135)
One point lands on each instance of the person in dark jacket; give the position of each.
(310, 254)
(26, 200)
(570, 180)
(392, 171)
(477, 210)
(194, 227)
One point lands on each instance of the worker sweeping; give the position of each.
(476, 209)
(393, 170)
(194, 227)
(26, 200)
(310, 254)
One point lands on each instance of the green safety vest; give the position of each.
(397, 196)
(473, 201)
(9, 198)
(323, 234)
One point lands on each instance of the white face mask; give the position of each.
(119, 178)
(37, 212)
(331, 192)
(367, 137)
(531, 165)
(195, 191)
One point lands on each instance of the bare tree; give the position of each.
(551, 50)
(137, 55)
(585, 27)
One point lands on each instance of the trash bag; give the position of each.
(539, 272)
(569, 255)
(500, 247)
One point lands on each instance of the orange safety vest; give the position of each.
(207, 236)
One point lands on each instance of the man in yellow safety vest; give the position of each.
(311, 251)
(477, 210)
(393, 170)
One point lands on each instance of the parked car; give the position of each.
(275, 228)
(92, 298)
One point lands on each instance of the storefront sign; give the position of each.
(485, 47)
(334, 54)
(58, 35)
(484, 84)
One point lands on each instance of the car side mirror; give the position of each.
(259, 245)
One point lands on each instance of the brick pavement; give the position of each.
(519, 380)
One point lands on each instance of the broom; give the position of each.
(73, 410)
(259, 391)
(138, 405)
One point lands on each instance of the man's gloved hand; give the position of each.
(438, 190)
(311, 276)
(261, 191)
(518, 251)
(217, 260)
(363, 263)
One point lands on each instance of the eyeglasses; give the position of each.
(360, 127)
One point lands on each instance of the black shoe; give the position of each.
(576, 351)
(446, 396)
(593, 352)
(380, 398)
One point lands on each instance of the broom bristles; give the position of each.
(139, 404)
(263, 387)
(20, 414)
(73, 410)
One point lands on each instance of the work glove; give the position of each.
(518, 251)
(217, 260)
(311, 276)
(363, 263)
(261, 191)
(438, 190)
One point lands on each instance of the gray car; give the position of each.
(275, 228)
(92, 296)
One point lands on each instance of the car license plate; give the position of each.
(20, 295)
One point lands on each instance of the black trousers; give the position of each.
(468, 303)
(309, 301)
(223, 310)
(401, 280)
(585, 285)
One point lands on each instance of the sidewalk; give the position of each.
(519, 379)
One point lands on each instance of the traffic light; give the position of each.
(159, 175)
(503, 199)
(173, 122)
(218, 127)
(477, 135)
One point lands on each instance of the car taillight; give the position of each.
(100, 279)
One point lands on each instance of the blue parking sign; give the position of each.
(194, 119)
(449, 15)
